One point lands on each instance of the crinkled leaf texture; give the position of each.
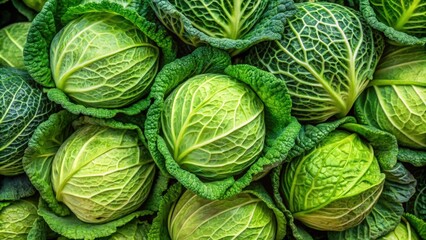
(214, 22)
(395, 101)
(54, 16)
(417, 204)
(70, 227)
(386, 214)
(15, 187)
(403, 22)
(23, 107)
(159, 229)
(398, 187)
(326, 58)
(17, 219)
(418, 224)
(12, 40)
(281, 128)
(39, 155)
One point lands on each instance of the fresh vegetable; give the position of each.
(206, 127)
(94, 157)
(100, 57)
(17, 219)
(326, 57)
(116, 75)
(214, 125)
(89, 171)
(395, 100)
(228, 25)
(250, 214)
(341, 170)
(403, 231)
(12, 40)
(23, 107)
(402, 21)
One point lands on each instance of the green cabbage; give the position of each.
(244, 216)
(102, 173)
(395, 100)
(326, 57)
(334, 186)
(214, 126)
(103, 60)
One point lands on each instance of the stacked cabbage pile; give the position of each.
(183, 119)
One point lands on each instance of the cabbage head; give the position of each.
(102, 173)
(23, 106)
(17, 219)
(243, 216)
(327, 56)
(103, 60)
(224, 24)
(334, 186)
(402, 21)
(214, 125)
(221, 19)
(12, 40)
(395, 101)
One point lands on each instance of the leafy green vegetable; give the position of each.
(136, 229)
(113, 76)
(281, 128)
(326, 58)
(402, 21)
(228, 25)
(395, 101)
(242, 217)
(398, 187)
(341, 171)
(17, 219)
(23, 107)
(213, 125)
(86, 168)
(418, 224)
(63, 54)
(417, 204)
(12, 40)
(403, 231)
(15, 187)
(250, 214)
(87, 181)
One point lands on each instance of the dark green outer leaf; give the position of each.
(279, 142)
(40, 153)
(417, 204)
(418, 224)
(15, 187)
(396, 37)
(269, 27)
(415, 157)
